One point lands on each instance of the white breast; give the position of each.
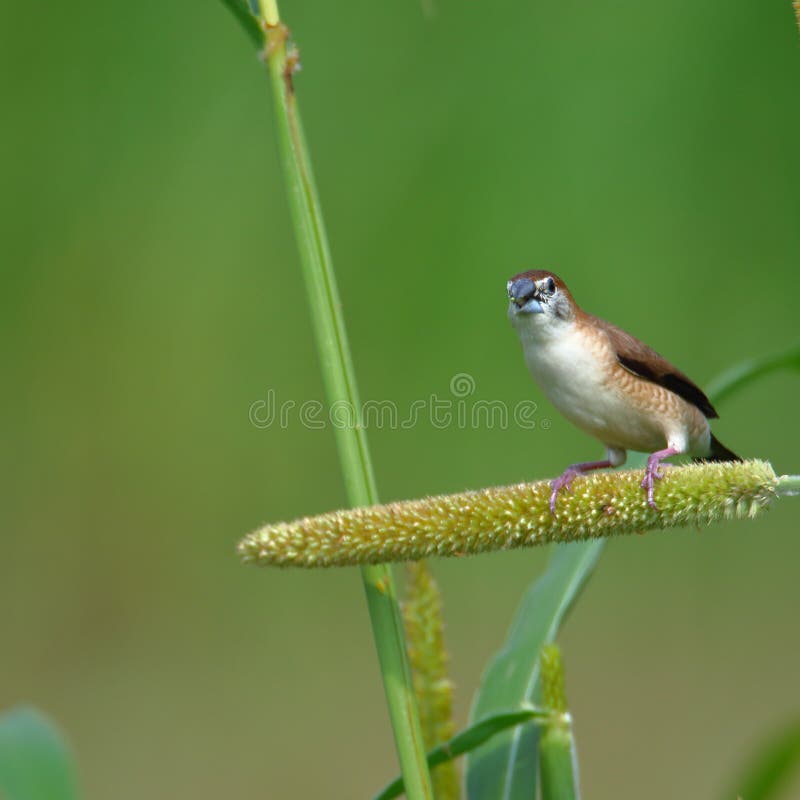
(574, 370)
(569, 369)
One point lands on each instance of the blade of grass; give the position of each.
(771, 767)
(469, 739)
(508, 769)
(35, 763)
(744, 373)
(241, 10)
(340, 385)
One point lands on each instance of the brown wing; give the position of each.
(643, 361)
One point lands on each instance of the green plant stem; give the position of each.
(340, 387)
(558, 763)
(471, 738)
(788, 485)
(558, 767)
(269, 12)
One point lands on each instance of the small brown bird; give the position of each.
(608, 383)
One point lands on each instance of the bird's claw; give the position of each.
(652, 473)
(564, 481)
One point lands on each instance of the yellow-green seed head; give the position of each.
(599, 505)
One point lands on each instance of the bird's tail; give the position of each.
(719, 452)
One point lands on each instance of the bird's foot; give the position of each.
(649, 483)
(569, 474)
(562, 482)
(653, 473)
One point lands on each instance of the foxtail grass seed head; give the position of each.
(423, 621)
(553, 693)
(599, 505)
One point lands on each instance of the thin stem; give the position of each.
(559, 772)
(269, 12)
(340, 385)
(788, 485)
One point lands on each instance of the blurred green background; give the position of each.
(151, 293)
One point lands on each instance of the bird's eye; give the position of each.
(550, 286)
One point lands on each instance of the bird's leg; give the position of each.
(653, 472)
(570, 473)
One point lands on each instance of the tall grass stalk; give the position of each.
(340, 385)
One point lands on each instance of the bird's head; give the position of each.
(539, 301)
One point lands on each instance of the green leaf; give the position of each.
(507, 768)
(771, 767)
(241, 10)
(746, 372)
(469, 739)
(35, 763)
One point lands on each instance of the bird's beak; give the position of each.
(522, 293)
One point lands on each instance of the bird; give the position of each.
(608, 383)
